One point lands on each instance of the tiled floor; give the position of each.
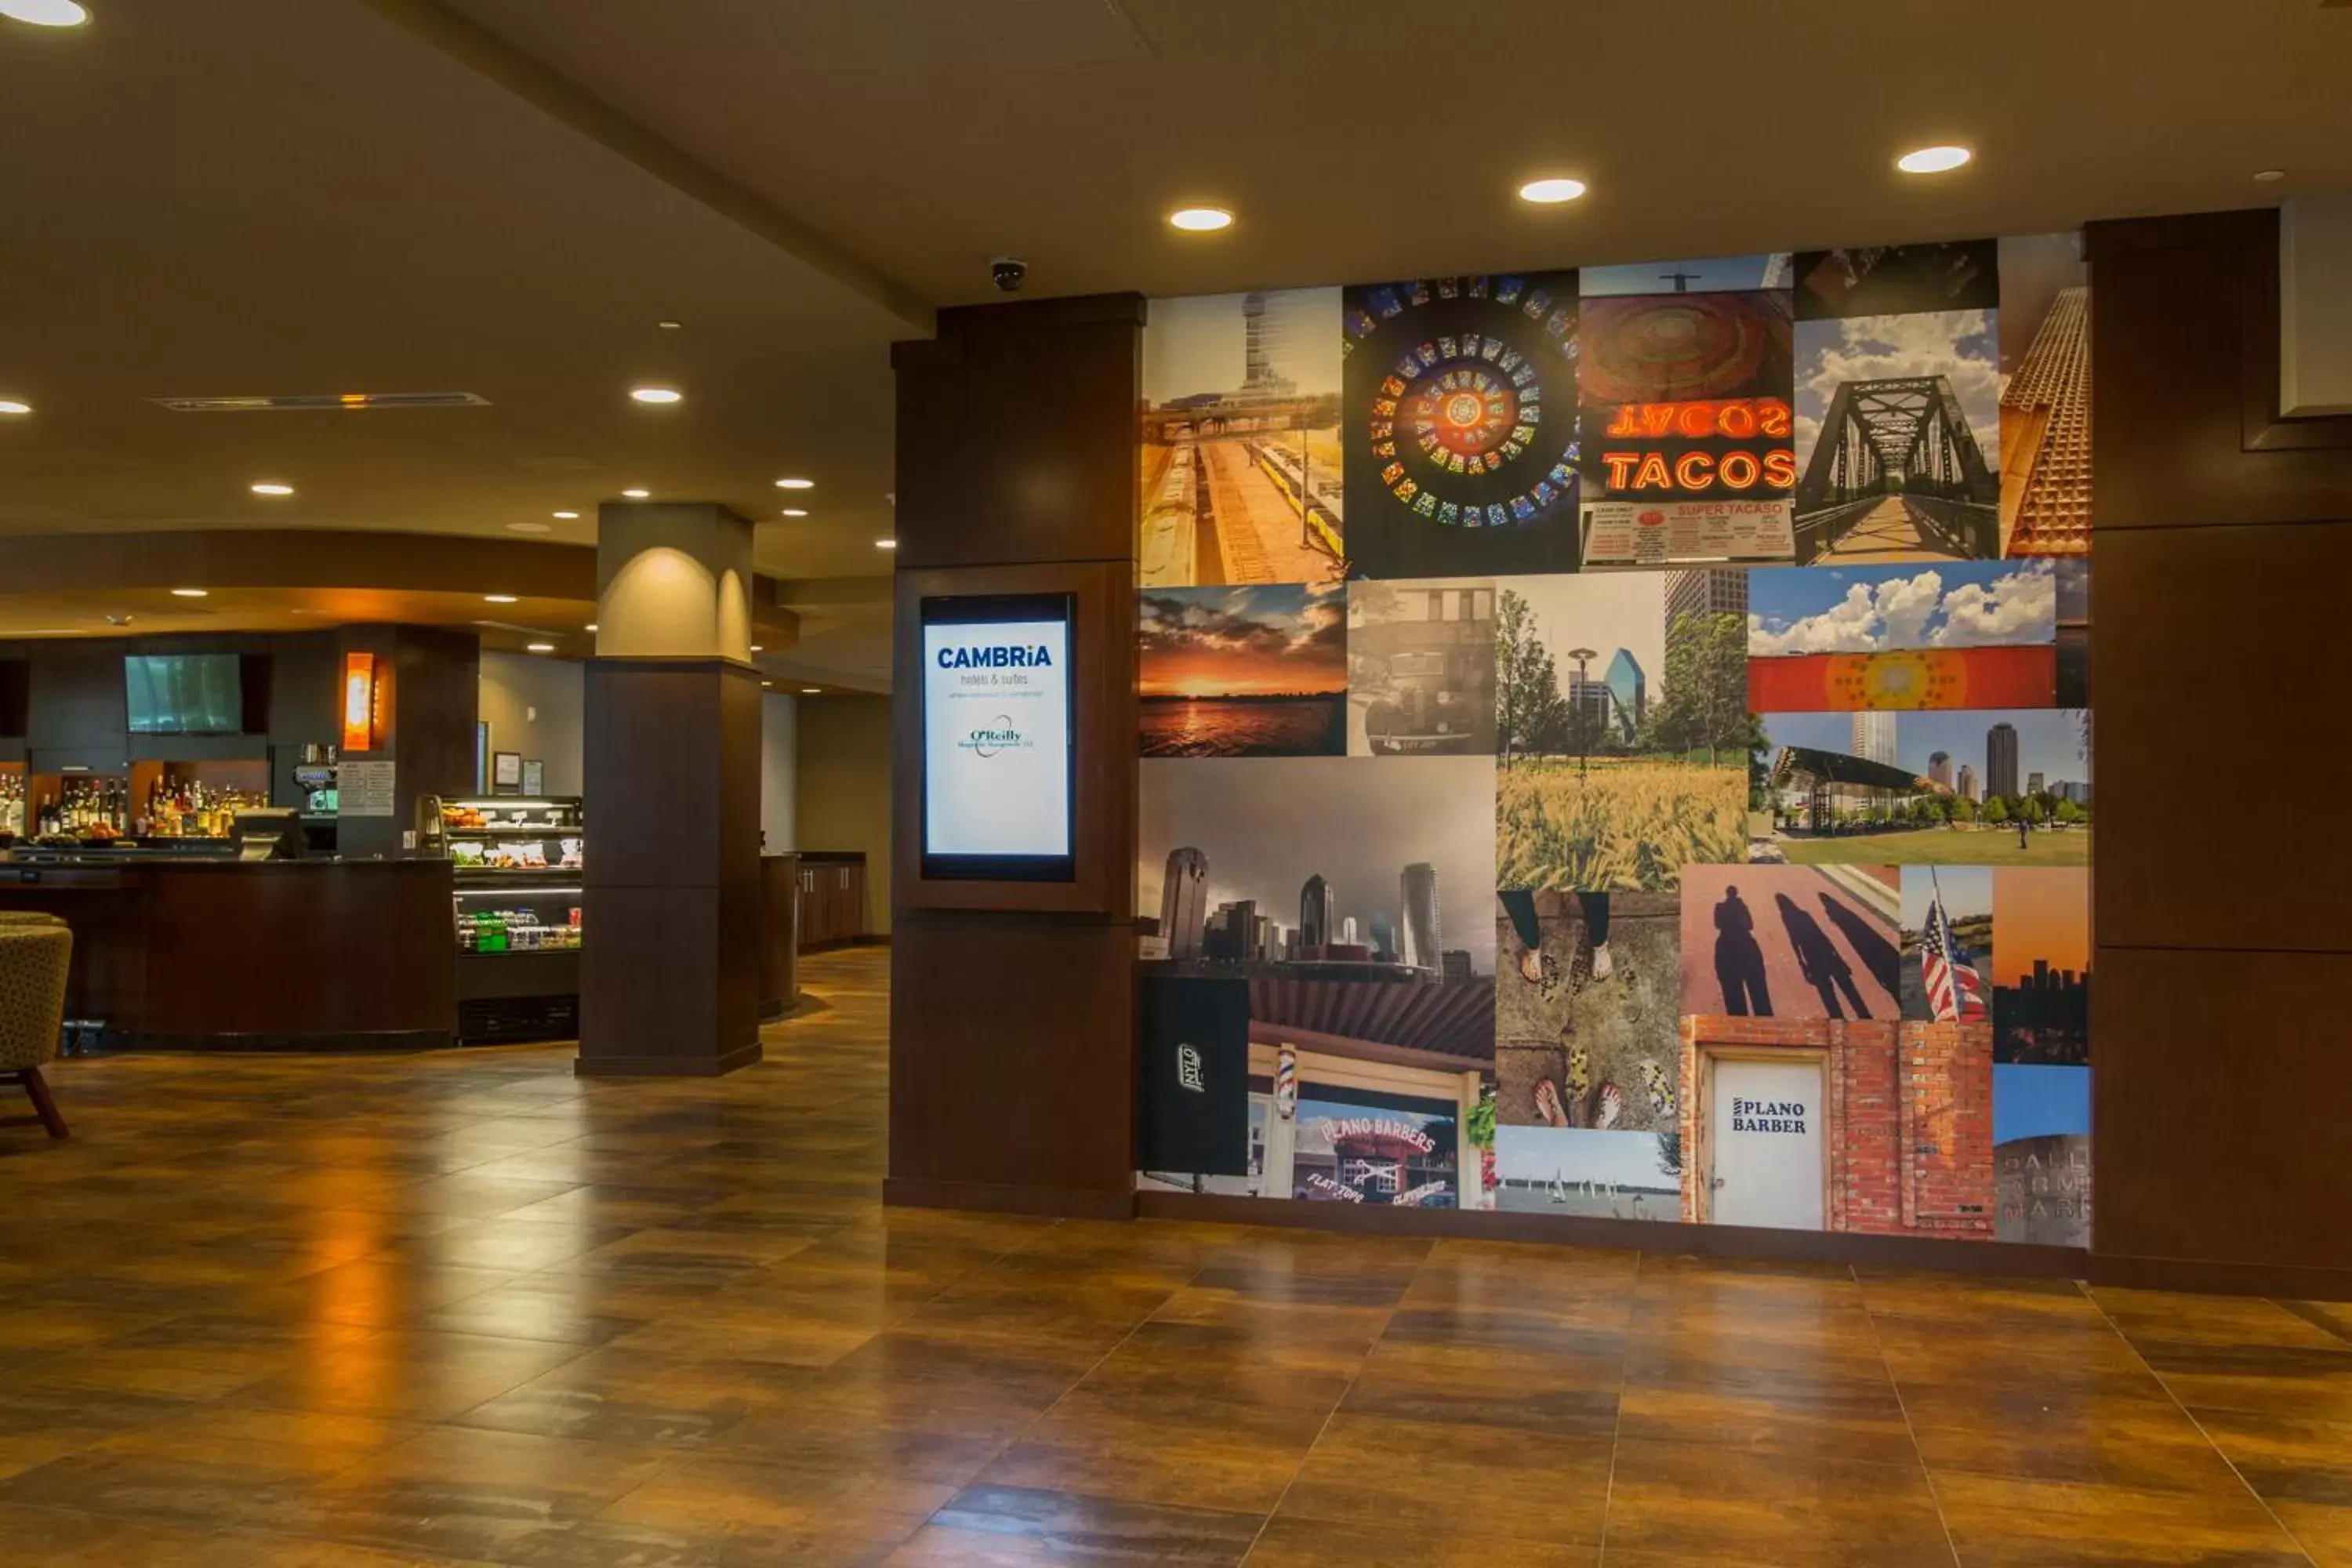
(467, 1308)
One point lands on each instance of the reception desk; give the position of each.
(252, 955)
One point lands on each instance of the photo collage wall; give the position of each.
(1617, 742)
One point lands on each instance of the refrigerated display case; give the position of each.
(516, 911)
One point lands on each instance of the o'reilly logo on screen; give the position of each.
(998, 735)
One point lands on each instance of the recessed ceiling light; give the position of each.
(794, 511)
(542, 647)
(568, 516)
(757, 648)
(886, 544)
(671, 326)
(1554, 190)
(1933, 160)
(812, 690)
(531, 527)
(273, 489)
(191, 592)
(12, 405)
(2267, 175)
(589, 628)
(657, 395)
(497, 598)
(767, 683)
(46, 12)
(636, 495)
(796, 484)
(1200, 220)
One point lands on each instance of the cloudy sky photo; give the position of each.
(1962, 346)
(1868, 609)
(1260, 640)
(1267, 823)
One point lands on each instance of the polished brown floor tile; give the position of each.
(1290, 1541)
(1997, 1522)
(1186, 1452)
(464, 1309)
(1412, 1478)
(1013, 1525)
(1750, 1506)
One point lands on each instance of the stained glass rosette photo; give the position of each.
(1473, 422)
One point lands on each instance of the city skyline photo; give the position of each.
(1266, 825)
(2050, 741)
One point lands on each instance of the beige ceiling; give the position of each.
(502, 198)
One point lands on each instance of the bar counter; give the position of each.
(195, 954)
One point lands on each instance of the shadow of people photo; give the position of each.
(1739, 960)
(1820, 961)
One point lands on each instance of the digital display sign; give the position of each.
(998, 786)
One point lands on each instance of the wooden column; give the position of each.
(670, 970)
(1012, 1032)
(2222, 932)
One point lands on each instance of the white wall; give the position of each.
(779, 770)
(536, 706)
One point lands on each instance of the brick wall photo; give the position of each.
(1907, 1118)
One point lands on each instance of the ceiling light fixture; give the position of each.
(796, 484)
(568, 516)
(636, 495)
(589, 628)
(671, 326)
(886, 544)
(46, 12)
(191, 592)
(2267, 175)
(271, 487)
(812, 690)
(530, 527)
(757, 648)
(542, 647)
(1933, 160)
(1552, 191)
(1200, 220)
(497, 598)
(14, 406)
(657, 395)
(794, 511)
(767, 683)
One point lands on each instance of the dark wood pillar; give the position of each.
(669, 970)
(1012, 1032)
(2223, 940)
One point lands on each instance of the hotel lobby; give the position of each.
(1099, 782)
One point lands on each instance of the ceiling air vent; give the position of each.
(344, 401)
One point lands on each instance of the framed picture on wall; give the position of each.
(534, 778)
(506, 772)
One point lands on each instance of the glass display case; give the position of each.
(516, 862)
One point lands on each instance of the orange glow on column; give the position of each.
(359, 701)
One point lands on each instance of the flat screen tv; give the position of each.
(184, 693)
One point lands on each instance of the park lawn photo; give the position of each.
(1961, 843)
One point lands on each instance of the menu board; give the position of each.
(365, 789)
(1697, 532)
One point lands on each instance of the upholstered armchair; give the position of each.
(34, 954)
